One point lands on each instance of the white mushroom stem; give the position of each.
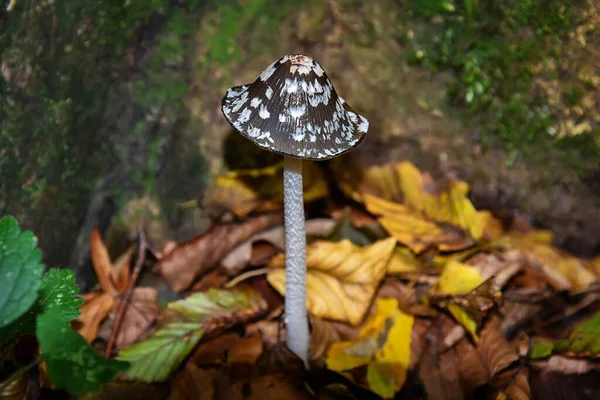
(296, 316)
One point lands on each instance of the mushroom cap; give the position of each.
(293, 109)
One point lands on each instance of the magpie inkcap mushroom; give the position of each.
(293, 109)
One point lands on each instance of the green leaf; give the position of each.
(156, 357)
(71, 363)
(20, 270)
(585, 339)
(59, 291)
(541, 349)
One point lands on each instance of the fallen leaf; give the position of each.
(102, 264)
(189, 320)
(584, 341)
(96, 307)
(458, 278)
(467, 297)
(140, 315)
(383, 345)
(414, 229)
(495, 351)
(448, 204)
(242, 255)
(562, 271)
(404, 261)
(322, 335)
(191, 259)
(335, 391)
(382, 181)
(472, 370)
(258, 190)
(341, 279)
(194, 383)
(514, 384)
(229, 348)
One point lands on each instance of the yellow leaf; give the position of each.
(564, 272)
(383, 344)
(253, 190)
(413, 229)
(403, 261)
(464, 318)
(341, 278)
(451, 205)
(378, 180)
(458, 278)
(404, 183)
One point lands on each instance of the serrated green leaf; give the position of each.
(585, 339)
(156, 357)
(59, 291)
(20, 270)
(71, 363)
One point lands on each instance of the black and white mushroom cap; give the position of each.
(293, 109)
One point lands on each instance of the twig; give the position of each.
(244, 276)
(128, 292)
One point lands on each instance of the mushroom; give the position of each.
(292, 109)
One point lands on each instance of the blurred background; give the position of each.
(110, 110)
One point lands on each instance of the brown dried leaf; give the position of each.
(229, 348)
(514, 384)
(440, 376)
(190, 259)
(322, 335)
(562, 271)
(495, 351)
(140, 315)
(471, 368)
(244, 254)
(96, 307)
(101, 262)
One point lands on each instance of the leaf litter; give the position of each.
(411, 289)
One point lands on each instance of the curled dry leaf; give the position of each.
(102, 264)
(495, 351)
(414, 229)
(562, 271)
(97, 306)
(258, 190)
(341, 279)
(190, 259)
(229, 348)
(514, 385)
(383, 346)
(244, 253)
(322, 335)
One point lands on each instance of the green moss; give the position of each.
(491, 47)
